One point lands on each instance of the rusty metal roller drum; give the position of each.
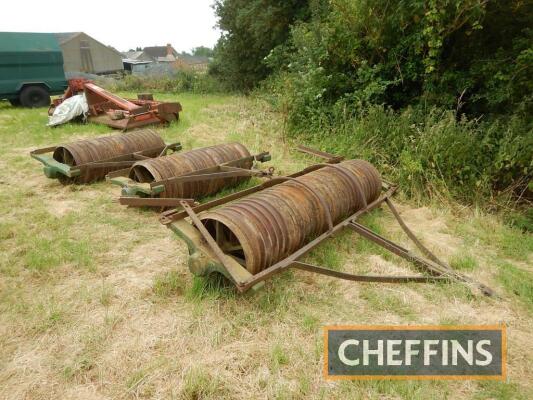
(179, 164)
(266, 227)
(105, 148)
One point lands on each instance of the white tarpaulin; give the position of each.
(69, 109)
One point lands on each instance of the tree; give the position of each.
(251, 29)
(202, 51)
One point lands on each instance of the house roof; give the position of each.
(170, 58)
(158, 51)
(133, 55)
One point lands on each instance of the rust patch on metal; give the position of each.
(107, 148)
(182, 164)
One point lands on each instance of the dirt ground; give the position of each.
(96, 301)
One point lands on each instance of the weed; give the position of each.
(212, 287)
(310, 323)
(517, 282)
(463, 262)
(278, 357)
(198, 384)
(521, 220)
(168, 285)
(106, 294)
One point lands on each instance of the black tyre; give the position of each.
(14, 102)
(35, 96)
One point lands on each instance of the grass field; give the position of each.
(96, 301)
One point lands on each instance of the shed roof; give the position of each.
(133, 61)
(64, 37)
(134, 55)
(28, 41)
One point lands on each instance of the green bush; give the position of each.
(437, 93)
(471, 56)
(250, 30)
(181, 81)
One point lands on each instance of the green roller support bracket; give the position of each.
(53, 168)
(265, 158)
(131, 188)
(203, 262)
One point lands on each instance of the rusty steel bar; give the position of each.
(366, 278)
(152, 202)
(86, 154)
(264, 228)
(330, 158)
(444, 268)
(162, 170)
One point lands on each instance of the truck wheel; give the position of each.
(34, 96)
(14, 102)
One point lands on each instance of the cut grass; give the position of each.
(501, 391)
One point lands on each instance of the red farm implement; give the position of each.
(112, 110)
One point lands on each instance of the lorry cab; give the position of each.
(31, 68)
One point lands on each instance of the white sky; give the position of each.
(123, 24)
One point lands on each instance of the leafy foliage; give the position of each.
(251, 29)
(467, 55)
(202, 51)
(439, 91)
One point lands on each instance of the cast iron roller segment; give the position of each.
(266, 227)
(179, 164)
(106, 148)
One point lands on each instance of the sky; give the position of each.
(122, 24)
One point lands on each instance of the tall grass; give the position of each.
(432, 152)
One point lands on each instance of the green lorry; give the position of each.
(31, 68)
